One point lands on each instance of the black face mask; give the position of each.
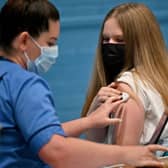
(113, 59)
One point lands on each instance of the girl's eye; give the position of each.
(105, 40)
(120, 40)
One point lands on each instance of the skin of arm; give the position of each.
(72, 153)
(62, 152)
(129, 131)
(75, 127)
(132, 114)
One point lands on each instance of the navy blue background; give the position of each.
(80, 26)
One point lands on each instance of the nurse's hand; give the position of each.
(103, 94)
(142, 156)
(100, 117)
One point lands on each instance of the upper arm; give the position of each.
(129, 131)
(35, 113)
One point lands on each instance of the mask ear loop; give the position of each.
(35, 42)
(27, 58)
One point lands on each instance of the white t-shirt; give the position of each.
(152, 103)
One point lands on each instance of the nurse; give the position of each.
(32, 135)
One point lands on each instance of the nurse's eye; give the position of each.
(50, 44)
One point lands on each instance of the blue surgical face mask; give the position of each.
(46, 59)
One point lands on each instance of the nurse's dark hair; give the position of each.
(32, 16)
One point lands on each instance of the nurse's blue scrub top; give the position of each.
(27, 117)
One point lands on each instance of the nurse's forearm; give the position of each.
(62, 152)
(73, 153)
(76, 127)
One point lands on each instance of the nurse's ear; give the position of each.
(21, 42)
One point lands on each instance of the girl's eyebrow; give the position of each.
(114, 36)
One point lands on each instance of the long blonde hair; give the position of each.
(145, 50)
